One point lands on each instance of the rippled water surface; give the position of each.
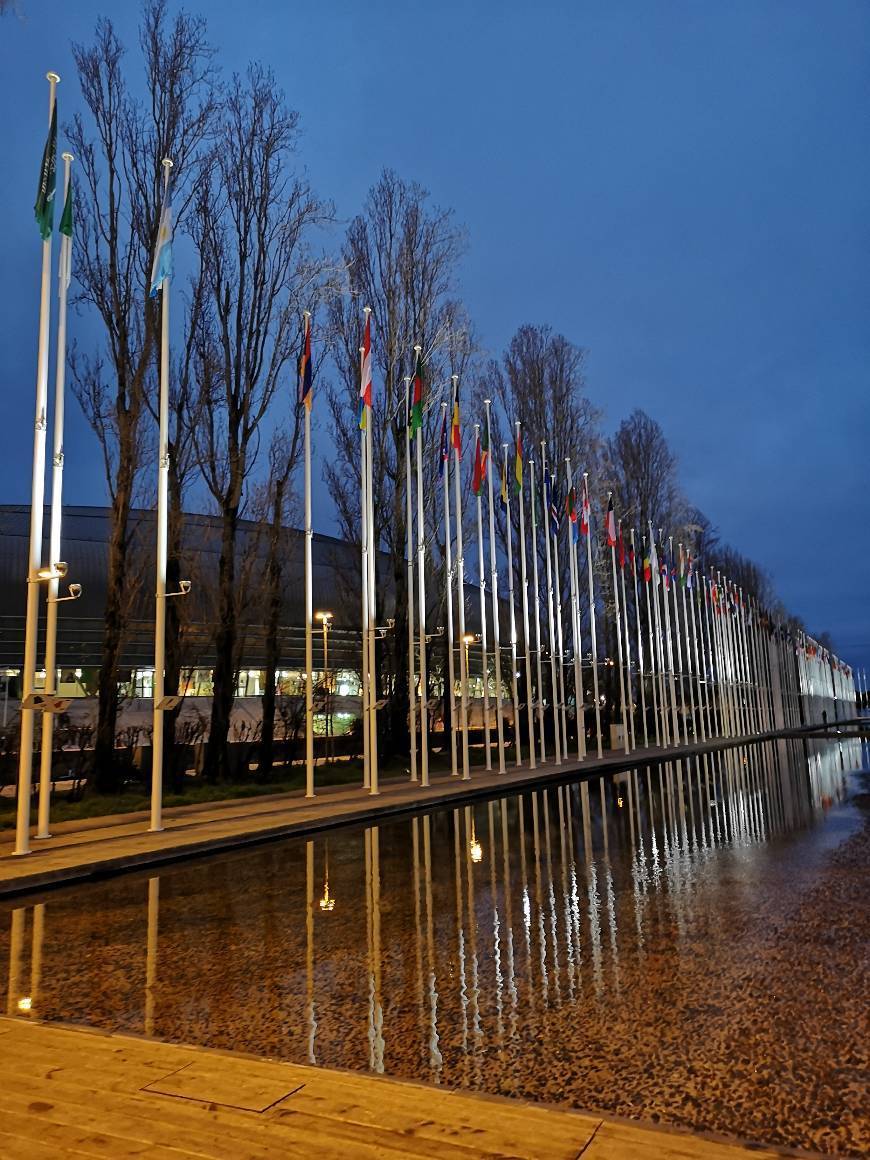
(683, 943)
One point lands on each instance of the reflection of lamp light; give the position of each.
(619, 801)
(327, 902)
(25, 1003)
(474, 847)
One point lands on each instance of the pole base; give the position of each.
(40, 837)
(155, 829)
(310, 795)
(20, 853)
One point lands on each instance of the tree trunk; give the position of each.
(224, 682)
(273, 616)
(107, 774)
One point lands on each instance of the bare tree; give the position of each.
(641, 470)
(253, 218)
(401, 255)
(120, 147)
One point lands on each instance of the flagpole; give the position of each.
(669, 639)
(374, 789)
(537, 599)
(618, 638)
(678, 639)
(493, 571)
(713, 724)
(560, 638)
(655, 584)
(460, 596)
(700, 666)
(309, 601)
(364, 568)
(448, 582)
(421, 601)
(510, 566)
(640, 658)
(482, 578)
(158, 689)
(577, 643)
(592, 627)
(42, 830)
(37, 494)
(524, 584)
(409, 552)
(654, 677)
(689, 666)
(630, 736)
(550, 618)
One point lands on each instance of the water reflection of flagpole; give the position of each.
(16, 947)
(435, 1057)
(551, 897)
(542, 950)
(496, 927)
(509, 917)
(418, 941)
(310, 1019)
(473, 854)
(36, 954)
(151, 953)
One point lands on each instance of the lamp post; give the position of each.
(325, 619)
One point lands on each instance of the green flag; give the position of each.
(66, 218)
(44, 208)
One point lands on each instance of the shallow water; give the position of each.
(653, 943)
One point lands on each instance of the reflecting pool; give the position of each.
(680, 943)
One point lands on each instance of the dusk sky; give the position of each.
(681, 188)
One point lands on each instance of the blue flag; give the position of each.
(162, 268)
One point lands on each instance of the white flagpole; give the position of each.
(576, 639)
(700, 665)
(524, 584)
(158, 690)
(537, 601)
(707, 653)
(666, 601)
(655, 582)
(619, 645)
(409, 553)
(640, 658)
(372, 593)
(592, 628)
(652, 633)
(630, 737)
(484, 658)
(448, 583)
(678, 639)
(364, 594)
(309, 606)
(460, 599)
(560, 638)
(550, 617)
(718, 717)
(510, 566)
(65, 266)
(37, 494)
(493, 571)
(691, 669)
(421, 607)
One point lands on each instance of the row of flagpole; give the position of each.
(727, 667)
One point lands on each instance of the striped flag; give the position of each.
(552, 505)
(162, 267)
(610, 524)
(518, 464)
(455, 432)
(571, 512)
(445, 446)
(417, 397)
(305, 365)
(647, 565)
(584, 510)
(504, 487)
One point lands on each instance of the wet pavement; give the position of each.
(685, 944)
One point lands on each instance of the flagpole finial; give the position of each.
(167, 163)
(476, 428)
(455, 379)
(418, 348)
(443, 406)
(487, 402)
(52, 78)
(367, 310)
(67, 157)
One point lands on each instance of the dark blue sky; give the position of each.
(682, 188)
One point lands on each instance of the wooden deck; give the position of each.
(100, 846)
(67, 1092)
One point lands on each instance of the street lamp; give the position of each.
(53, 571)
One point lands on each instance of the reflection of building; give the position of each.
(80, 624)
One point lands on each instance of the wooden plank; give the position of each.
(617, 1141)
(69, 1138)
(234, 1083)
(24, 1148)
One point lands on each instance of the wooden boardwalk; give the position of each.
(110, 845)
(76, 1093)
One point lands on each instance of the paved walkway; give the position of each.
(69, 1093)
(109, 845)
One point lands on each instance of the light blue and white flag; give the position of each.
(162, 268)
